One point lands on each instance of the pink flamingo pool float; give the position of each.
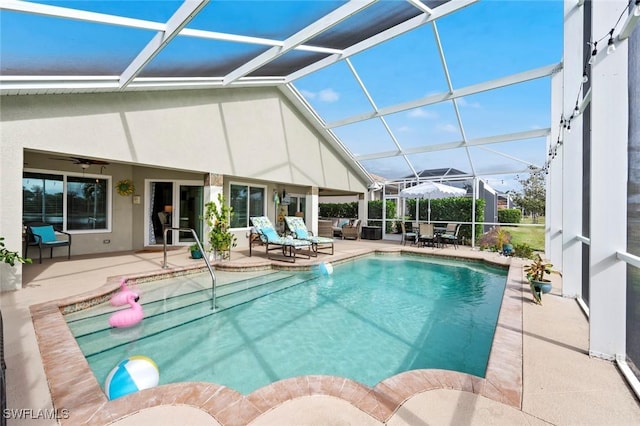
(127, 317)
(120, 298)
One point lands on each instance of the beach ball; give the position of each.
(326, 268)
(131, 375)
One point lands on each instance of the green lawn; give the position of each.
(531, 235)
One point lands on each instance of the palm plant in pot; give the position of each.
(536, 272)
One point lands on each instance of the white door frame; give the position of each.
(175, 201)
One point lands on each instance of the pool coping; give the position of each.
(77, 390)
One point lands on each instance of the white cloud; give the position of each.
(464, 103)
(328, 95)
(422, 113)
(307, 94)
(404, 129)
(324, 95)
(447, 127)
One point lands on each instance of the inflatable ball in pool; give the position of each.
(131, 375)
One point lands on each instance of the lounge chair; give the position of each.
(44, 235)
(290, 247)
(451, 234)
(297, 227)
(411, 236)
(426, 234)
(352, 230)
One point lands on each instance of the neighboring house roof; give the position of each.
(378, 178)
(438, 173)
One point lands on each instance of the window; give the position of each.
(86, 207)
(296, 204)
(246, 201)
(42, 198)
(86, 203)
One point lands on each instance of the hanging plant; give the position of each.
(125, 187)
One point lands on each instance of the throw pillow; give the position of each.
(45, 232)
(302, 233)
(270, 234)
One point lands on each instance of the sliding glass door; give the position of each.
(173, 204)
(190, 211)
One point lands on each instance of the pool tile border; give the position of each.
(77, 390)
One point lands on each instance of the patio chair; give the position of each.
(290, 247)
(297, 227)
(426, 234)
(337, 224)
(411, 236)
(352, 230)
(44, 235)
(451, 235)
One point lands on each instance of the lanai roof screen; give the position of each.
(405, 85)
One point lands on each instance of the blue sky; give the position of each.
(485, 41)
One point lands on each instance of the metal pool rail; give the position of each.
(206, 259)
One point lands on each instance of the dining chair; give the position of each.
(411, 236)
(426, 234)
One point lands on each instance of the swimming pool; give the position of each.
(373, 318)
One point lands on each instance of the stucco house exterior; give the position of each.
(179, 148)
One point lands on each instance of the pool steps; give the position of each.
(94, 335)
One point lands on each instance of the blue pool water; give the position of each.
(372, 318)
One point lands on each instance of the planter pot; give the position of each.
(544, 286)
(507, 249)
(220, 255)
(196, 254)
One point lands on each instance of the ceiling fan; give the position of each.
(84, 163)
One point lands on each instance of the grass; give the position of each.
(531, 235)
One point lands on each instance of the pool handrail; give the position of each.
(204, 256)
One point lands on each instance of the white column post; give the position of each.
(553, 214)
(384, 210)
(363, 213)
(213, 185)
(473, 212)
(608, 205)
(11, 161)
(313, 209)
(571, 151)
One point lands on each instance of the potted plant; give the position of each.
(536, 272)
(10, 257)
(503, 239)
(218, 217)
(195, 251)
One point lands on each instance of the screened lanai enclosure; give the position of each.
(358, 98)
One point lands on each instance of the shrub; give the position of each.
(494, 239)
(455, 209)
(375, 212)
(349, 210)
(523, 250)
(509, 215)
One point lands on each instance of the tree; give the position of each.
(533, 195)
